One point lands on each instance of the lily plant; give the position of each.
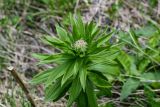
(84, 64)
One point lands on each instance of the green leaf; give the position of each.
(104, 39)
(154, 41)
(104, 61)
(143, 64)
(92, 100)
(124, 59)
(58, 72)
(105, 68)
(55, 58)
(99, 81)
(81, 27)
(128, 63)
(150, 77)
(74, 91)
(55, 91)
(40, 56)
(104, 53)
(82, 100)
(83, 76)
(62, 33)
(107, 92)
(75, 31)
(46, 58)
(129, 86)
(42, 76)
(134, 38)
(146, 31)
(91, 31)
(73, 69)
(55, 42)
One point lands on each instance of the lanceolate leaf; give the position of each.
(92, 100)
(70, 71)
(129, 86)
(99, 81)
(134, 38)
(74, 91)
(128, 63)
(56, 58)
(105, 68)
(81, 27)
(94, 29)
(104, 39)
(40, 56)
(55, 42)
(54, 91)
(101, 61)
(93, 35)
(150, 77)
(58, 72)
(105, 53)
(42, 77)
(63, 34)
(49, 58)
(75, 32)
(83, 76)
(91, 31)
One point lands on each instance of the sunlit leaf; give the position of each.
(74, 91)
(42, 76)
(92, 100)
(83, 76)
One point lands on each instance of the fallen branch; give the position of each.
(22, 85)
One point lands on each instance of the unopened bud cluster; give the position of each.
(80, 45)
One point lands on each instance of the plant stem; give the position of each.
(22, 85)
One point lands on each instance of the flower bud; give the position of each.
(80, 45)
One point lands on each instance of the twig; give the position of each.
(22, 85)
